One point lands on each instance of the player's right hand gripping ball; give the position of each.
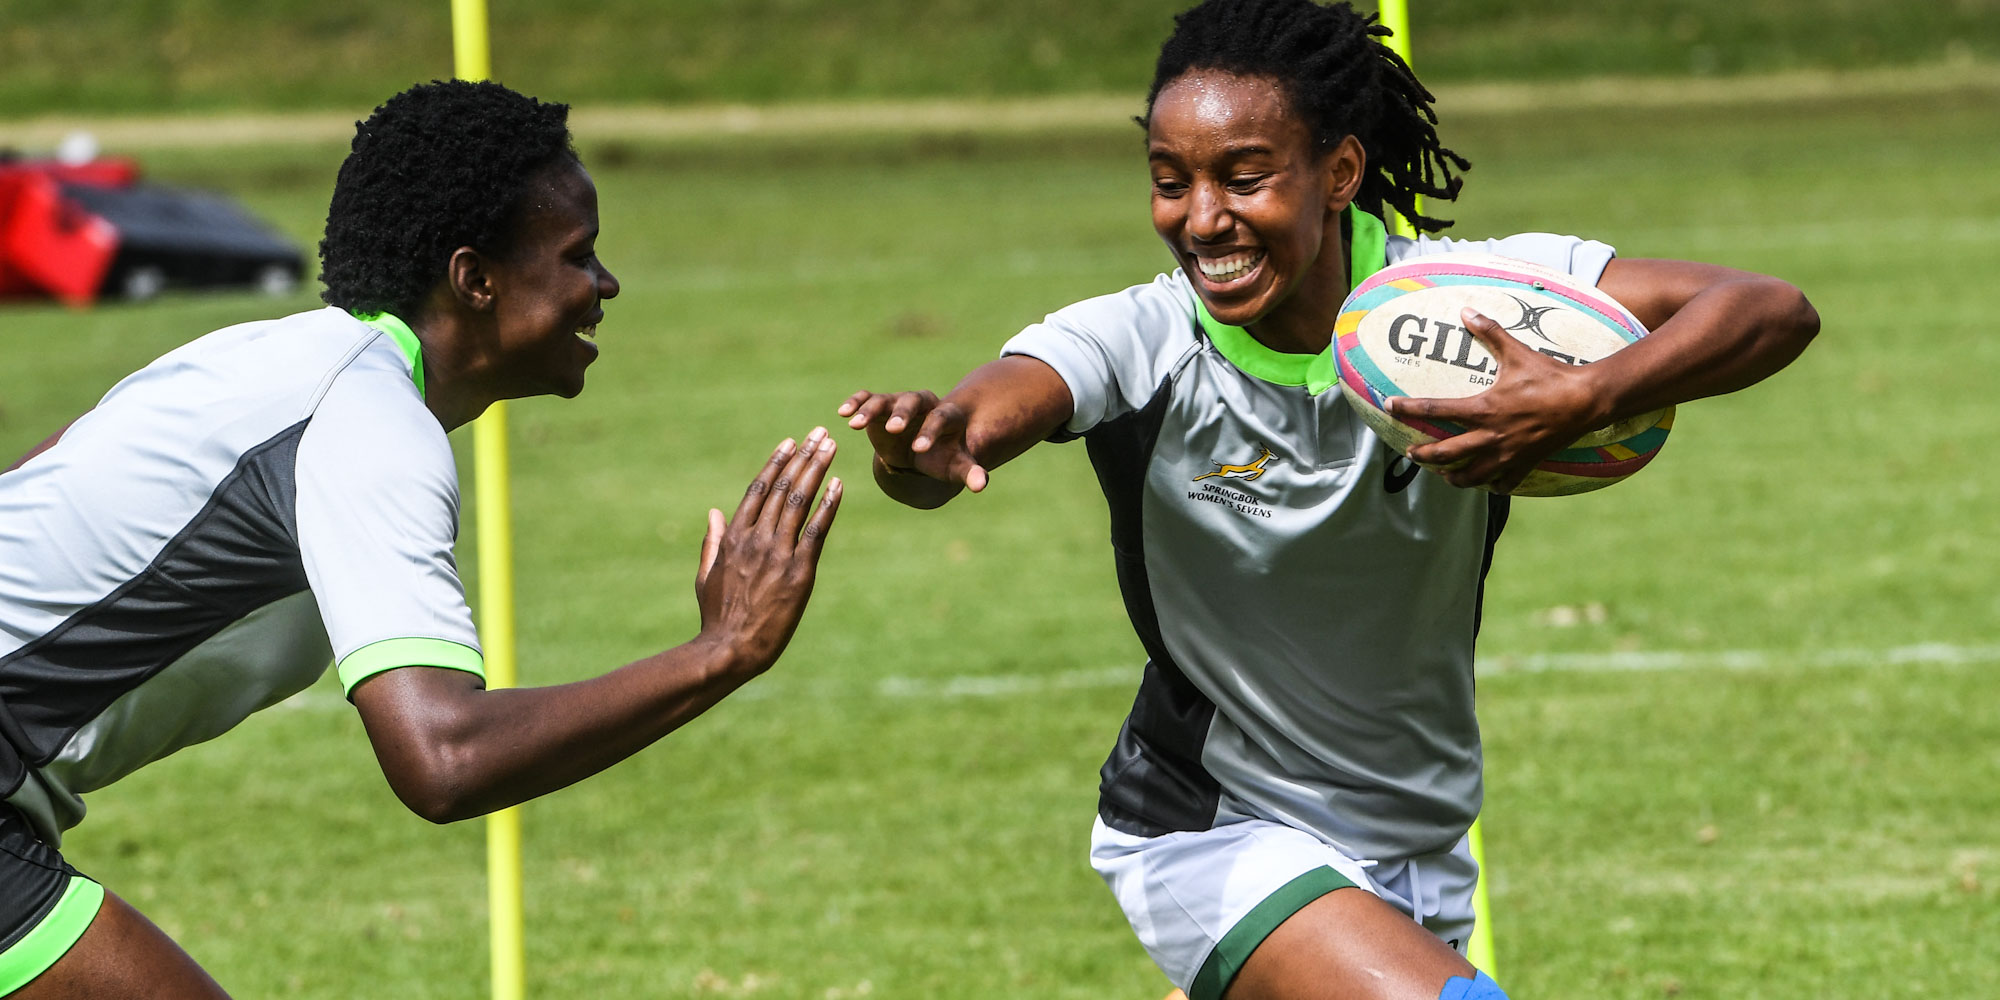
(1400, 333)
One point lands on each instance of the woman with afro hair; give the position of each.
(1284, 812)
(279, 495)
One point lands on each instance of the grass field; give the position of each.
(1742, 736)
(56, 55)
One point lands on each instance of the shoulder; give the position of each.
(198, 410)
(1159, 311)
(369, 419)
(1141, 319)
(1114, 350)
(1166, 302)
(278, 352)
(1574, 255)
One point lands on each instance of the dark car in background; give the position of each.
(84, 231)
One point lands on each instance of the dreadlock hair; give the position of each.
(439, 166)
(1329, 63)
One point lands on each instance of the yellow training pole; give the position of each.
(1479, 950)
(472, 61)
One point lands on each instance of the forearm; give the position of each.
(1715, 330)
(999, 410)
(1012, 404)
(480, 750)
(452, 749)
(1729, 336)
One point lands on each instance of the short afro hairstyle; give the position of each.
(439, 166)
(1339, 78)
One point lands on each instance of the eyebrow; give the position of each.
(1251, 149)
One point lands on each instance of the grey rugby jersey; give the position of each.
(227, 521)
(1306, 599)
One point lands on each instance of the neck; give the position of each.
(449, 395)
(1303, 323)
(453, 390)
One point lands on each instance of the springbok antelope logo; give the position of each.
(1243, 472)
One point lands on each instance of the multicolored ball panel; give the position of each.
(1400, 334)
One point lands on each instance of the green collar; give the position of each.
(406, 341)
(1368, 253)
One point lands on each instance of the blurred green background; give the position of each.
(1742, 735)
(151, 55)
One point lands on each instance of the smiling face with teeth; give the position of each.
(1250, 208)
(547, 289)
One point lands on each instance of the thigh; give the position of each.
(1435, 889)
(123, 956)
(63, 936)
(1351, 945)
(1201, 901)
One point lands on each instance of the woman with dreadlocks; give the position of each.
(1284, 812)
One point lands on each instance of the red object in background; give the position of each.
(105, 171)
(95, 231)
(85, 231)
(48, 244)
(11, 283)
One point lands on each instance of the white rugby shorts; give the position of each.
(1201, 901)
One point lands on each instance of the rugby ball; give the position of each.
(1400, 334)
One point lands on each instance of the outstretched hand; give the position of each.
(1536, 407)
(757, 569)
(916, 432)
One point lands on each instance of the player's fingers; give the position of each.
(798, 500)
(814, 535)
(1430, 457)
(711, 544)
(1507, 484)
(1491, 335)
(853, 403)
(945, 422)
(1452, 452)
(1469, 476)
(870, 411)
(974, 478)
(781, 487)
(760, 487)
(908, 405)
(1430, 408)
(1469, 459)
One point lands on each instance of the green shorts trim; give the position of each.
(53, 937)
(1229, 954)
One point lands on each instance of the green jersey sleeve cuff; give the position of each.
(389, 654)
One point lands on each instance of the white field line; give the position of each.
(1925, 654)
(1006, 685)
(1024, 685)
(1922, 654)
(1089, 111)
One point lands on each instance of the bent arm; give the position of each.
(927, 452)
(453, 750)
(1715, 330)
